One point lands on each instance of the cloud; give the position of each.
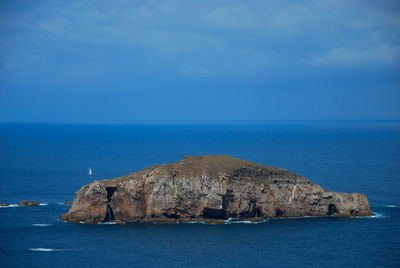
(236, 17)
(197, 71)
(253, 54)
(225, 39)
(56, 25)
(347, 56)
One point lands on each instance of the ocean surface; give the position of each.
(49, 163)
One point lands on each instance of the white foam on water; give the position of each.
(82, 222)
(16, 205)
(233, 221)
(11, 206)
(244, 222)
(302, 217)
(42, 224)
(45, 249)
(386, 206)
(377, 215)
(108, 222)
(196, 222)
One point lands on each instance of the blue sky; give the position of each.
(123, 61)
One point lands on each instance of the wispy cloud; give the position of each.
(270, 58)
(56, 25)
(353, 56)
(212, 35)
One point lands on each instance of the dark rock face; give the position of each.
(211, 189)
(29, 203)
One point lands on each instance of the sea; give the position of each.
(50, 162)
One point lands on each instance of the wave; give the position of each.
(11, 206)
(42, 224)
(233, 221)
(16, 205)
(377, 215)
(387, 206)
(46, 249)
(244, 222)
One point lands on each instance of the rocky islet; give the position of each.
(210, 189)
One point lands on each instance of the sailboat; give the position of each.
(90, 171)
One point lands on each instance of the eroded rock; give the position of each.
(210, 189)
(29, 203)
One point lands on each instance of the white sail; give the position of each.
(90, 171)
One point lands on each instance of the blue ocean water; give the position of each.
(48, 163)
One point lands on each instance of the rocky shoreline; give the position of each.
(24, 203)
(209, 189)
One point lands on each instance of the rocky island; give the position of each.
(26, 203)
(210, 189)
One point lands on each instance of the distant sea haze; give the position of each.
(50, 162)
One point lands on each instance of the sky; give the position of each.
(125, 61)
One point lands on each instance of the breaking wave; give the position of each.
(233, 221)
(377, 215)
(10, 206)
(45, 249)
(386, 206)
(16, 205)
(42, 224)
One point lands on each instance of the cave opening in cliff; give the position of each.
(110, 192)
(213, 213)
(109, 214)
(279, 212)
(332, 209)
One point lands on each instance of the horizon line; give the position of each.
(140, 122)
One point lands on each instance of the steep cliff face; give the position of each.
(209, 188)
